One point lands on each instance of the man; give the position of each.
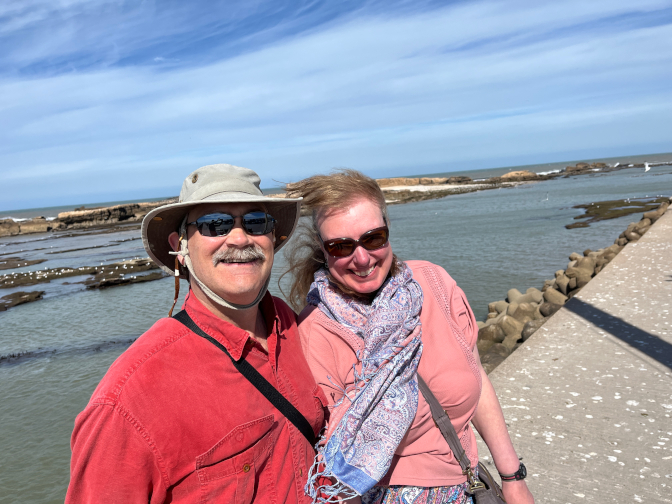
(175, 419)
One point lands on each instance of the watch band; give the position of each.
(520, 474)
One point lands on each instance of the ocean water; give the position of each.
(489, 241)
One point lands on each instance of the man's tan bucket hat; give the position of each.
(219, 183)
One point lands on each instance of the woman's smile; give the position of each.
(363, 274)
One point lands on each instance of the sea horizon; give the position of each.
(51, 212)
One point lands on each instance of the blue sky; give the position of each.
(109, 100)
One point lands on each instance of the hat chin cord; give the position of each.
(184, 252)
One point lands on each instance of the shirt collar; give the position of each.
(234, 338)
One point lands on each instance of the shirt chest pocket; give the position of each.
(230, 470)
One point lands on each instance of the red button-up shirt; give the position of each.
(174, 421)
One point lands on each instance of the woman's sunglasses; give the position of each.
(221, 224)
(343, 247)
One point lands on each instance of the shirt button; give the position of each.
(246, 468)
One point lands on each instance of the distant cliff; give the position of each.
(82, 218)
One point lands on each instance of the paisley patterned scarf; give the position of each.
(365, 431)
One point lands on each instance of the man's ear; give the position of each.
(174, 241)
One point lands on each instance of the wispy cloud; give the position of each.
(136, 97)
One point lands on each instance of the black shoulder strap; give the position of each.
(261, 384)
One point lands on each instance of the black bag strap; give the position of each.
(445, 426)
(261, 384)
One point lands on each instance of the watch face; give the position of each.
(522, 471)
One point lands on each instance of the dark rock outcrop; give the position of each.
(398, 181)
(114, 281)
(132, 212)
(433, 180)
(19, 298)
(119, 273)
(37, 225)
(8, 227)
(519, 176)
(613, 209)
(17, 262)
(459, 180)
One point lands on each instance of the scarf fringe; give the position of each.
(324, 493)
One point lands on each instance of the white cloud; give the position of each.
(475, 82)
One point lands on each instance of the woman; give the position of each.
(371, 324)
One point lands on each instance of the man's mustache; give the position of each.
(231, 255)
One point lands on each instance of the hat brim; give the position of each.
(164, 220)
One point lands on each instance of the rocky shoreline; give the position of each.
(82, 218)
(513, 320)
(402, 190)
(397, 190)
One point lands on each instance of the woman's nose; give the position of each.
(361, 256)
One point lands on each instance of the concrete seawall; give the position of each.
(588, 398)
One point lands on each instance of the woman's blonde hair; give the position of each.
(322, 194)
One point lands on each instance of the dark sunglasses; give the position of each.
(221, 224)
(343, 247)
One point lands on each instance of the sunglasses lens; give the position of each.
(219, 224)
(258, 223)
(340, 248)
(375, 240)
(371, 240)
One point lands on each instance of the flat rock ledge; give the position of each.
(82, 218)
(19, 298)
(96, 277)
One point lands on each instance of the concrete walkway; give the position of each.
(588, 398)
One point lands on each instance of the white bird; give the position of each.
(616, 165)
(646, 167)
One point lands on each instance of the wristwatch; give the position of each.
(518, 475)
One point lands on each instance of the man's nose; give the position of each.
(237, 235)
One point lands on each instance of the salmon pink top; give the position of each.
(448, 365)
